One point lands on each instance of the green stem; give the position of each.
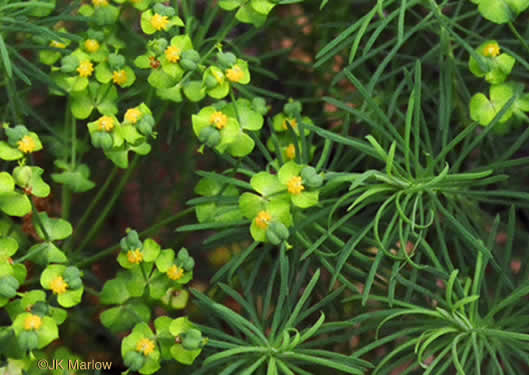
(91, 207)
(110, 204)
(147, 232)
(38, 221)
(518, 36)
(70, 122)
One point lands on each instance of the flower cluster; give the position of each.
(489, 63)
(118, 138)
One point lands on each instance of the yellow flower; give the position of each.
(235, 74)
(135, 256)
(291, 151)
(491, 50)
(27, 144)
(291, 121)
(218, 119)
(145, 346)
(132, 115)
(32, 322)
(119, 77)
(100, 3)
(263, 219)
(58, 285)
(295, 185)
(173, 54)
(159, 22)
(91, 45)
(85, 69)
(57, 44)
(175, 272)
(106, 123)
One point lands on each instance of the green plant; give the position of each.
(363, 211)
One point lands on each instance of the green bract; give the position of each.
(29, 178)
(100, 15)
(304, 198)
(498, 67)
(217, 81)
(252, 11)
(54, 49)
(14, 148)
(116, 71)
(171, 272)
(501, 11)
(178, 45)
(34, 302)
(55, 228)
(229, 127)
(150, 26)
(145, 364)
(483, 109)
(222, 210)
(11, 202)
(74, 289)
(180, 327)
(149, 251)
(47, 332)
(282, 123)
(96, 96)
(118, 139)
(77, 179)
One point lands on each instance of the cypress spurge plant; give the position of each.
(370, 172)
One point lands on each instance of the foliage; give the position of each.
(364, 210)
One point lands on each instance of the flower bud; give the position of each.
(210, 136)
(134, 360)
(192, 339)
(103, 16)
(188, 264)
(211, 82)
(188, 64)
(116, 61)
(226, 60)
(259, 105)
(71, 272)
(145, 125)
(277, 232)
(69, 64)
(192, 55)
(158, 46)
(28, 340)
(102, 140)
(8, 286)
(311, 178)
(292, 108)
(75, 283)
(40, 308)
(183, 254)
(164, 10)
(97, 35)
(16, 134)
(131, 241)
(22, 175)
(72, 277)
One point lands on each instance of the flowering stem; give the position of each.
(38, 221)
(70, 122)
(147, 232)
(110, 204)
(92, 206)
